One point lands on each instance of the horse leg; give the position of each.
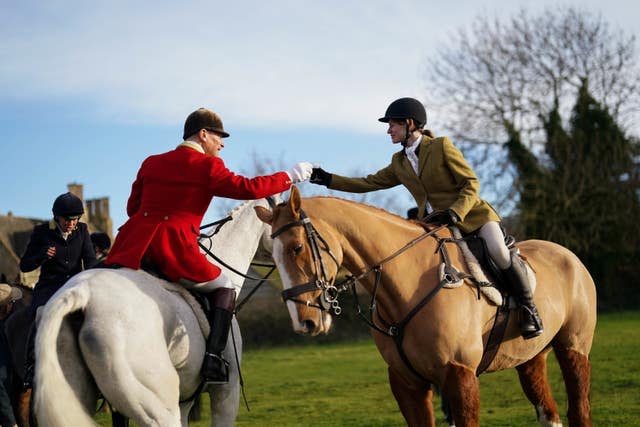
(534, 382)
(225, 398)
(23, 413)
(462, 389)
(576, 371)
(148, 398)
(416, 405)
(119, 420)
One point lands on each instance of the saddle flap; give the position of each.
(485, 272)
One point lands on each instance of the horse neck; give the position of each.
(237, 241)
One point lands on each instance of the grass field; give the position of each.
(346, 385)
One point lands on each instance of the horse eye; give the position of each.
(297, 250)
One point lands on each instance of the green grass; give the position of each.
(346, 385)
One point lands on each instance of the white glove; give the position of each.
(300, 172)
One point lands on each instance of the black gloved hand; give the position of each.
(446, 217)
(321, 177)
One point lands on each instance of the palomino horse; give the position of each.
(135, 339)
(425, 333)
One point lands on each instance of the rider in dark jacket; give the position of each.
(61, 248)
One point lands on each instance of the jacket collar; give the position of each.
(53, 226)
(192, 145)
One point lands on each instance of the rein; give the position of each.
(330, 292)
(220, 223)
(329, 296)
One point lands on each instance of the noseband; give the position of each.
(328, 299)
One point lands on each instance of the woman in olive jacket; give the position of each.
(440, 180)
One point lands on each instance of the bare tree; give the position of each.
(497, 75)
(498, 79)
(550, 100)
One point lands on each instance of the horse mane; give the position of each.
(239, 208)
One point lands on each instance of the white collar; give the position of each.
(192, 145)
(412, 149)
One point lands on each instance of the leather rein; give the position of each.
(219, 224)
(261, 280)
(328, 299)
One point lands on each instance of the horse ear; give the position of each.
(295, 201)
(264, 214)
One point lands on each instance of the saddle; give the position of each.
(478, 247)
(490, 282)
(486, 276)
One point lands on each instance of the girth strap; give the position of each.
(396, 331)
(495, 337)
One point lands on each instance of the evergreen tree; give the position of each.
(586, 197)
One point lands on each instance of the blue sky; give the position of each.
(89, 89)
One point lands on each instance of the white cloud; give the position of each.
(271, 63)
(331, 64)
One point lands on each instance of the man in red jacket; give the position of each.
(169, 197)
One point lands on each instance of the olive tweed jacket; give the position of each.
(445, 179)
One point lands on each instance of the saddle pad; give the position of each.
(191, 301)
(493, 295)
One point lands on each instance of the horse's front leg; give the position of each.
(462, 389)
(416, 405)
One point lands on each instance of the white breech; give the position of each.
(498, 251)
(222, 281)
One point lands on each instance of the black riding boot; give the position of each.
(516, 275)
(30, 358)
(215, 369)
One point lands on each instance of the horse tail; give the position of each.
(56, 404)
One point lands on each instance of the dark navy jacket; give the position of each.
(7, 417)
(72, 256)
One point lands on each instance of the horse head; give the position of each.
(308, 266)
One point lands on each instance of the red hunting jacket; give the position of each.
(168, 200)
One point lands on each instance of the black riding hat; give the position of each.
(406, 108)
(68, 205)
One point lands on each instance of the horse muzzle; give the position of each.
(327, 300)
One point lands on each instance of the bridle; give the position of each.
(328, 299)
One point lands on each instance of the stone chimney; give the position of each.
(76, 189)
(98, 210)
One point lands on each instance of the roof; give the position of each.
(14, 237)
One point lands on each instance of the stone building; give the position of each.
(15, 232)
